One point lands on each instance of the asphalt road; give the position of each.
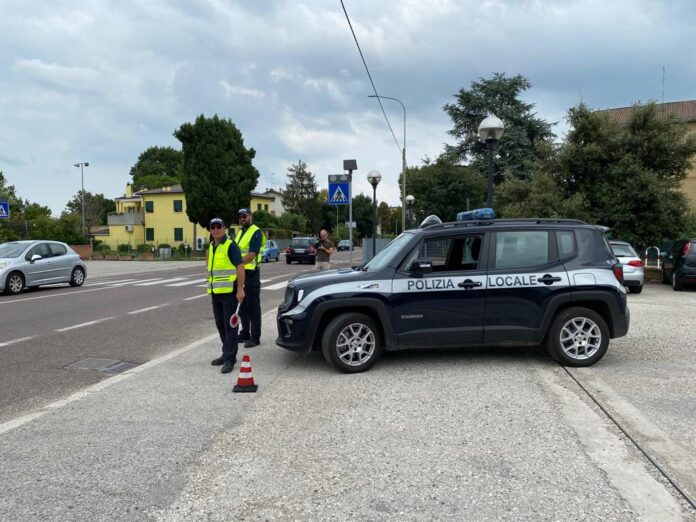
(480, 434)
(126, 311)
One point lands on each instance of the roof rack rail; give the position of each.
(451, 224)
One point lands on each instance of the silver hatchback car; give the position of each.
(633, 271)
(28, 264)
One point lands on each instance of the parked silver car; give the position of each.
(28, 264)
(633, 271)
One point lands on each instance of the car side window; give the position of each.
(58, 250)
(41, 250)
(449, 254)
(521, 249)
(566, 243)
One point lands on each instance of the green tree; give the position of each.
(293, 222)
(218, 175)
(301, 195)
(97, 208)
(362, 215)
(523, 129)
(157, 167)
(384, 217)
(264, 219)
(443, 188)
(630, 175)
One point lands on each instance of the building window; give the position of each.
(178, 205)
(265, 207)
(258, 206)
(149, 206)
(178, 234)
(149, 234)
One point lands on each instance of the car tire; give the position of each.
(677, 284)
(14, 284)
(665, 279)
(352, 342)
(635, 289)
(572, 330)
(77, 277)
(277, 257)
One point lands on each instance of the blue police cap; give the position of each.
(244, 212)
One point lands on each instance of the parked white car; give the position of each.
(28, 264)
(633, 266)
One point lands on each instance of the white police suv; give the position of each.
(478, 281)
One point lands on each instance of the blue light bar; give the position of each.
(479, 214)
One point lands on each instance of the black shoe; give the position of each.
(227, 367)
(217, 362)
(251, 343)
(243, 337)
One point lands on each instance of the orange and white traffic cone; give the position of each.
(245, 381)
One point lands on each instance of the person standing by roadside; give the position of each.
(325, 248)
(251, 241)
(226, 285)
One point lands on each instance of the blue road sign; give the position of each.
(339, 193)
(4, 210)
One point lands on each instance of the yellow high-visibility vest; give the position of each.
(244, 241)
(221, 272)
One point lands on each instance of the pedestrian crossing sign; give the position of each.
(4, 210)
(339, 193)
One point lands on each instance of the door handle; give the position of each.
(548, 279)
(469, 284)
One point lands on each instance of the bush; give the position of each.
(104, 249)
(123, 249)
(145, 248)
(279, 233)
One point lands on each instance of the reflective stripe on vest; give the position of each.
(244, 241)
(221, 272)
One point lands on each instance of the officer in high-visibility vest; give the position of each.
(226, 286)
(251, 241)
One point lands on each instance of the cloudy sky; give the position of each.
(102, 80)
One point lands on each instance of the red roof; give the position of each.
(682, 111)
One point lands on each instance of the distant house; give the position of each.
(684, 111)
(276, 207)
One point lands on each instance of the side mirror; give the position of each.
(35, 257)
(421, 266)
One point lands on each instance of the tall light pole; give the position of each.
(374, 178)
(82, 166)
(490, 131)
(409, 201)
(403, 161)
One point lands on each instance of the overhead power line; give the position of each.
(370, 76)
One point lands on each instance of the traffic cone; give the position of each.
(245, 381)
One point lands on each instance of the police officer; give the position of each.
(226, 285)
(251, 242)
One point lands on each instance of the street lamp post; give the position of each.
(403, 161)
(490, 131)
(82, 166)
(409, 201)
(374, 178)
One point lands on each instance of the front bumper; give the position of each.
(293, 331)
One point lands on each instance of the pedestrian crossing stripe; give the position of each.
(338, 196)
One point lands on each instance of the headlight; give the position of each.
(3, 264)
(289, 299)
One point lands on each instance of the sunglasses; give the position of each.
(215, 226)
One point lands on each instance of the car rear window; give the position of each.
(623, 250)
(300, 243)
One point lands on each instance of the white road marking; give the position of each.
(276, 286)
(15, 341)
(88, 323)
(148, 309)
(110, 282)
(61, 294)
(160, 281)
(20, 421)
(137, 281)
(184, 283)
(195, 297)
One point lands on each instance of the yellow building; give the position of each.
(261, 202)
(685, 112)
(155, 216)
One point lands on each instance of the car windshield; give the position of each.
(300, 243)
(385, 256)
(12, 249)
(344, 242)
(623, 250)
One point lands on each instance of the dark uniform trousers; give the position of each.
(251, 306)
(224, 306)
